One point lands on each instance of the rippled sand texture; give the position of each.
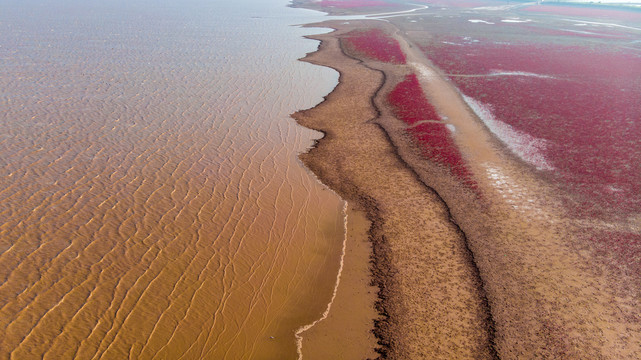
(151, 201)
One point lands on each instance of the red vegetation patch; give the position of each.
(350, 4)
(588, 112)
(584, 11)
(411, 106)
(375, 44)
(438, 145)
(409, 103)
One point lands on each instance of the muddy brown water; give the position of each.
(152, 204)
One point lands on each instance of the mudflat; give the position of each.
(443, 314)
(474, 253)
(346, 331)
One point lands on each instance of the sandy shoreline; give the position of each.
(498, 272)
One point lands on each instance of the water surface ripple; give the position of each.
(151, 201)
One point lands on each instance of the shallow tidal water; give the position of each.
(152, 204)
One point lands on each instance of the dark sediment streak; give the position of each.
(491, 325)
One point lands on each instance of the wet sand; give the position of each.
(346, 332)
(497, 272)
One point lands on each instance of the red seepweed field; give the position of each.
(375, 44)
(583, 101)
(427, 129)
